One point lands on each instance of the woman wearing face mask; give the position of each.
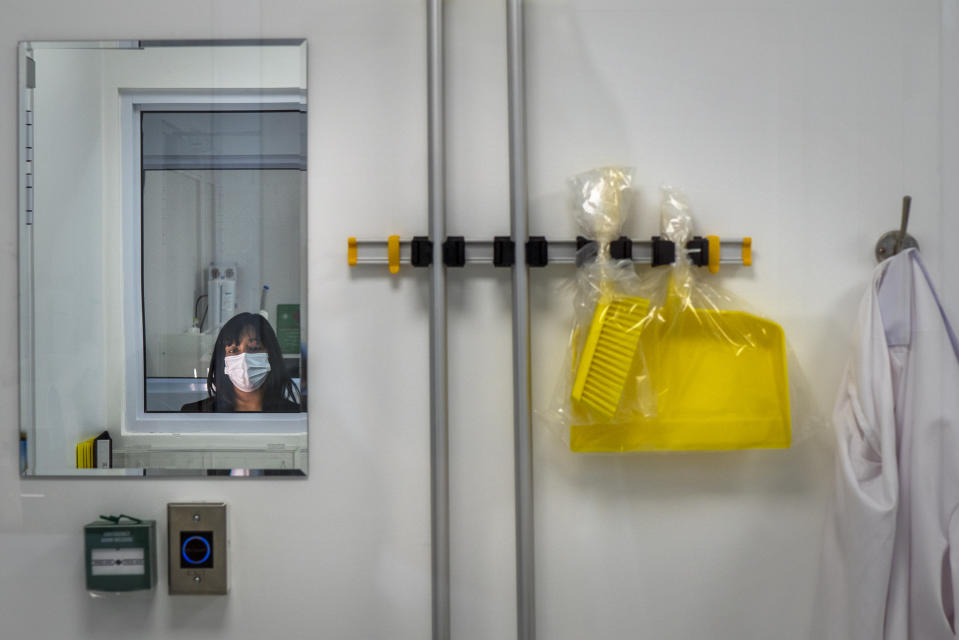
(246, 371)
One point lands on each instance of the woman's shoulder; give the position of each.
(206, 405)
(200, 406)
(284, 405)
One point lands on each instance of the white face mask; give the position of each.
(247, 371)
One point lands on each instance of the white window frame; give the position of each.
(137, 421)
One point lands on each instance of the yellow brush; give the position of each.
(609, 352)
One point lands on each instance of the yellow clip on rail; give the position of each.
(748, 252)
(393, 253)
(351, 251)
(713, 253)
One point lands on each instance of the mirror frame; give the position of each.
(198, 440)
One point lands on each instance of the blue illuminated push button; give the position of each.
(196, 549)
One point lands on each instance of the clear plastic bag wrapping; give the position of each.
(662, 360)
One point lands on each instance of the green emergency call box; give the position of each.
(120, 555)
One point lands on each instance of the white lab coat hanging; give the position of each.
(890, 559)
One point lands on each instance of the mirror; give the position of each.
(163, 258)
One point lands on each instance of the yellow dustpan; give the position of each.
(720, 382)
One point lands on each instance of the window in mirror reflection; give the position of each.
(223, 201)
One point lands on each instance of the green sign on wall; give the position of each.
(288, 327)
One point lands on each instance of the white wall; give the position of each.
(801, 125)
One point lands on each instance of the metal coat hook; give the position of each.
(892, 242)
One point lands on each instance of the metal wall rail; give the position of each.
(519, 223)
(439, 414)
(378, 252)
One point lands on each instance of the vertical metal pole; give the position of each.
(525, 601)
(439, 432)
